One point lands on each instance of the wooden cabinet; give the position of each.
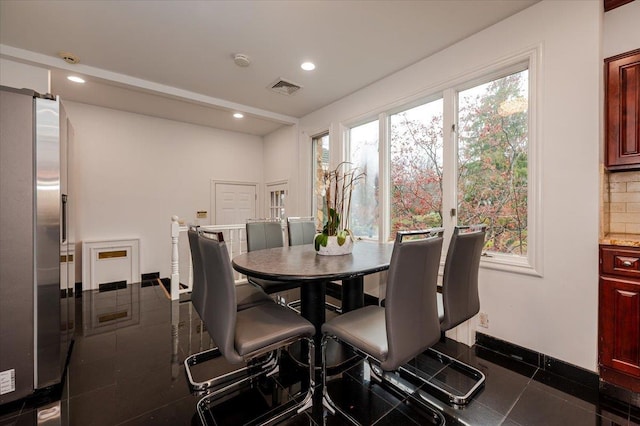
(619, 316)
(612, 4)
(622, 111)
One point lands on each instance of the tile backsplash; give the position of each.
(621, 202)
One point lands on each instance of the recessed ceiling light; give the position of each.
(308, 66)
(75, 79)
(238, 115)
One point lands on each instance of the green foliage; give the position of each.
(320, 240)
(492, 166)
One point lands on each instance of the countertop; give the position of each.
(627, 240)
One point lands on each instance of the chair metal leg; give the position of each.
(382, 377)
(455, 399)
(296, 304)
(308, 400)
(304, 404)
(266, 366)
(326, 399)
(327, 402)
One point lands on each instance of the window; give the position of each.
(321, 160)
(363, 154)
(463, 156)
(415, 165)
(492, 178)
(276, 198)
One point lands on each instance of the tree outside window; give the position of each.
(363, 145)
(493, 161)
(321, 151)
(416, 165)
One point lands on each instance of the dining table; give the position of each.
(302, 264)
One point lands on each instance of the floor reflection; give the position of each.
(126, 369)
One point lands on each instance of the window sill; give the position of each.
(513, 264)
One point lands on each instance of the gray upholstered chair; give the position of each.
(390, 335)
(247, 296)
(245, 335)
(302, 230)
(458, 302)
(264, 234)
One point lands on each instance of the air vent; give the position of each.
(284, 87)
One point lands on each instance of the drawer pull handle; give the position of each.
(626, 263)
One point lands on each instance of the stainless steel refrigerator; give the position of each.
(36, 244)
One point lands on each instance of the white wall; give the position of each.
(133, 172)
(621, 29)
(281, 164)
(555, 314)
(23, 76)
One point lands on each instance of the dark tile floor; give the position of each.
(129, 371)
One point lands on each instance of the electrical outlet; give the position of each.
(484, 320)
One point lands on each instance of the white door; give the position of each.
(234, 202)
(276, 197)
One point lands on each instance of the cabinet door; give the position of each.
(623, 111)
(620, 325)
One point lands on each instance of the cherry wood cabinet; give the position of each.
(612, 4)
(619, 316)
(622, 111)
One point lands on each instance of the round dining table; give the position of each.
(302, 264)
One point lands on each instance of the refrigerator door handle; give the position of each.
(64, 218)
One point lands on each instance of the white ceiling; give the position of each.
(174, 59)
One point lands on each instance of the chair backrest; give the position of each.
(264, 234)
(411, 307)
(460, 281)
(198, 288)
(301, 230)
(221, 306)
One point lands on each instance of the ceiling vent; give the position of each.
(284, 87)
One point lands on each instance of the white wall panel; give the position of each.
(281, 164)
(23, 76)
(621, 30)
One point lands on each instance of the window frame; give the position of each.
(270, 188)
(383, 171)
(316, 138)
(532, 262)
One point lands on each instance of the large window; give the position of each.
(363, 154)
(492, 179)
(461, 157)
(415, 164)
(321, 161)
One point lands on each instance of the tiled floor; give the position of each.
(129, 372)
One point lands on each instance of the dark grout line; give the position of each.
(506, 416)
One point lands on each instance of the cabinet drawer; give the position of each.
(620, 261)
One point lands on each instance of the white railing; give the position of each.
(181, 267)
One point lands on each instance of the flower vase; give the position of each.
(334, 249)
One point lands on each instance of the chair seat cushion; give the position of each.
(248, 296)
(270, 286)
(362, 328)
(263, 325)
(440, 308)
